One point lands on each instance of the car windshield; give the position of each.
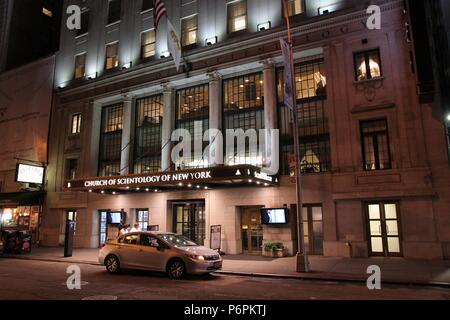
(178, 241)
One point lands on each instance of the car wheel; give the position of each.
(112, 264)
(176, 269)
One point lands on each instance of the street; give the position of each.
(37, 280)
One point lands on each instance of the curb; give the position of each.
(318, 278)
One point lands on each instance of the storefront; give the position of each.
(22, 212)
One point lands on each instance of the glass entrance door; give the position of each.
(384, 230)
(189, 221)
(313, 229)
(252, 230)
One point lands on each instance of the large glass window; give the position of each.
(189, 29)
(367, 65)
(142, 219)
(111, 140)
(311, 95)
(148, 44)
(244, 109)
(112, 56)
(147, 149)
(313, 229)
(375, 145)
(114, 7)
(192, 109)
(237, 16)
(80, 66)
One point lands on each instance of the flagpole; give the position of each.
(302, 256)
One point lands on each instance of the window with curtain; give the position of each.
(367, 65)
(237, 16)
(189, 30)
(192, 107)
(312, 115)
(80, 66)
(295, 7)
(148, 44)
(76, 123)
(375, 145)
(111, 140)
(244, 109)
(112, 56)
(148, 134)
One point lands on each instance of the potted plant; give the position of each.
(273, 249)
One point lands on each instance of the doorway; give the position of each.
(252, 230)
(384, 229)
(313, 229)
(189, 220)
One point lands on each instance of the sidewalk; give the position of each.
(393, 270)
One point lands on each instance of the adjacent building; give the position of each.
(374, 159)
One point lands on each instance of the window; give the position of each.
(295, 7)
(114, 7)
(80, 66)
(103, 227)
(313, 229)
(76, 123)
(375, 145)
(148, 240)
(148, 44)
(84, 24)
(72, 168)
(112, 56)
(72, 215)
(193, 109)
(111, 140)
(142, 219)
(189, 28)
(47, 12)
(129, 239)
(147, 5)
(237, 16)
(148, 134)
(367, 65)
(313, 119)
(244, 109)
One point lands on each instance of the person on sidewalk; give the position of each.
(124, 230)
(135, 228)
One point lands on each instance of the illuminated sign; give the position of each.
(29, 174)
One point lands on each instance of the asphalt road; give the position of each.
(36, 280)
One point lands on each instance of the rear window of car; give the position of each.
(129, 239)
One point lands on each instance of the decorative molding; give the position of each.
(369, 87)
(373, 107)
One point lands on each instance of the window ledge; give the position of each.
(369, 81)
(113, 23)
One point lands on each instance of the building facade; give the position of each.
(374, 161)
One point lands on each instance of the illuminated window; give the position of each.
(311, 83)
(193, 109)
(80, 66)
(112, 56)
(148, 44)
(367, 65)
(71, 169)
(189, 28)
(148, 134)
(114, 7)
(244, 109)
(47, 12)
(147, 5)
(142, 219)
(111, 140)
(295, 7)
(375, 144)
(237, 16)
(76, 123)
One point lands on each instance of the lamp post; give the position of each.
(302, 256)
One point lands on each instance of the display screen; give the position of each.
(115, 218)
(30, 174)
(274, 216)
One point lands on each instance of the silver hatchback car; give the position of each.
(161, 252)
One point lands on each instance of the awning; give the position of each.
(233, 176)
(21, 199)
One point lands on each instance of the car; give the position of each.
(161, 252)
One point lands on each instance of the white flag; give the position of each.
(288, 75)
(173, 44)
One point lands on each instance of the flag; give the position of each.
(289, 90)
(173, 44)
(159, 11)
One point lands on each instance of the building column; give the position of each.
(271, 116)
(215, 120)
(168, 126)
(126, 135)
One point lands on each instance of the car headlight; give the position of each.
(196, 257)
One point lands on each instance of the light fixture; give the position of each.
(69, 185)
(156, 190)
(264, 26)
(180, 184)
(190, 185)
(128, 188)
(258, 182)
(206, 188)
(250, 181)
(90, 191)
(102, 192)
(137, 189)
(147, 190)
(448, 117)
(127, 66)
(211, 41)
(165, 54)
(266, 184)
(114, 193)
(198, 187)
(91, 76)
